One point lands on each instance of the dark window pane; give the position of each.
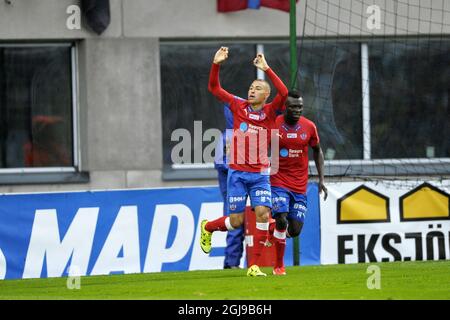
(35, 107)
(185, 96)
(409, 92)
(330, 81)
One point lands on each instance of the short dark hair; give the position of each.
(294, 94)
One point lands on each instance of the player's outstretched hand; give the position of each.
(324, 189)
(260, 62)
(221, 55)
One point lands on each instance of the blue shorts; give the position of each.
(241, 184)
(295, 204)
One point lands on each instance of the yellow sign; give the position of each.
(363, 205)
(425, 202)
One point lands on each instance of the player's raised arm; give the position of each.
(282, 91)
(214, 82)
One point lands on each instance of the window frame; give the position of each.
(67, 174)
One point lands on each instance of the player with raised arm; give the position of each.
(296, 133)
(249, 162)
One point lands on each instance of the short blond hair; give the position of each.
(265, 84)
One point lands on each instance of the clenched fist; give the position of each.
(260, 62)
(221, 55)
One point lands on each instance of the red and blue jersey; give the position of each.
(293, 155)
(251, 129)
(235, 5)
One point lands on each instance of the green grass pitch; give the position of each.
(399, 280)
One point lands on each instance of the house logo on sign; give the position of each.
(364, 205)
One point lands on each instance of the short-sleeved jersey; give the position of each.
(293, 155)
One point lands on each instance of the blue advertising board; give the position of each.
(107, 232)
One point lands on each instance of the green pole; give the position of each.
(293, 44)
(292, 85)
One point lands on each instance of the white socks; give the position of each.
(228, 224)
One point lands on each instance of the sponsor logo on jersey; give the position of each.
(301, 215)
(243, 126)
(256, 128)
(236, 199)
(291, 153)
(279, 199)
(300, 207)
(263, 193)
(292, 136)
(258, 117)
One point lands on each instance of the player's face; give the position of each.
(294, 108)
(257, 93)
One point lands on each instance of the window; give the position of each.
(399, 126)
(37, 108)
(409, 93)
